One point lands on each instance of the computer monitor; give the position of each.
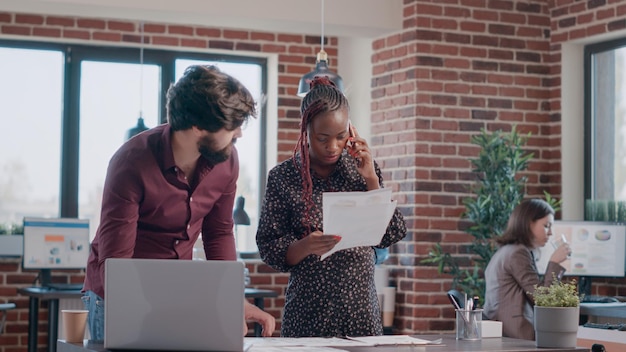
(55, 243)
(598, 248)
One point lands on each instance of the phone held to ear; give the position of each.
(352, 145)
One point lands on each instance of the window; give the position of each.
(110, 104)
(64, 129)
(32, 96)
(605, 121)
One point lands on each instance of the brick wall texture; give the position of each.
(456, 66)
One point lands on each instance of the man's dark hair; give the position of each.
(209, 99)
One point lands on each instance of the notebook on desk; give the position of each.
(159, 304)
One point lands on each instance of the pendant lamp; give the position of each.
(321, 68)
(140, 127)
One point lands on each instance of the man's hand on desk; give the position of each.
(254, 313)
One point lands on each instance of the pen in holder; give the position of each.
(468, 324)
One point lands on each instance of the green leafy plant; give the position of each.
(498, 190)
(558, 294)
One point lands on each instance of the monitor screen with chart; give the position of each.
(55, 243)
(598, 248)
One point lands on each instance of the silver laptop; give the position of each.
(163, 304)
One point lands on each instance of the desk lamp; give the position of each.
(240, 217)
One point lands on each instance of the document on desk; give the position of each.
(394, 340)
(360, 218)
(283, 342)
(294, 349)
(319, 344)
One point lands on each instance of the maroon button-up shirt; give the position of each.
(149, 210)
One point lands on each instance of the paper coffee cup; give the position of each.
(389, 305)
(74, 322)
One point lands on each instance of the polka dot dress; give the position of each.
(333, 297)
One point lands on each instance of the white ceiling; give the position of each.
(343, 18)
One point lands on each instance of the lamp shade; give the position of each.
(240, 217)
(321, 70)
(137, 129)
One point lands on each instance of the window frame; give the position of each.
(589, 136)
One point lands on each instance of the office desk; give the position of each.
(450, 345)
(37, 294)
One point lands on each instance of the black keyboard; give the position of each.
(599, 299)
(65, 287)
(607, 326)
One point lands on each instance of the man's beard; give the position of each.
(208, 152)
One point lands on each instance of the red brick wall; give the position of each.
(457, 67)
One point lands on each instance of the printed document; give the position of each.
(360, 218)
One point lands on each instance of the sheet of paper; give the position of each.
(395, 340)
(360, 218)
(267, 342)
(295, 349)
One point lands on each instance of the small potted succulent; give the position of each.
(556, 314)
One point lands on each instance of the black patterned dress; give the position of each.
(333, 297)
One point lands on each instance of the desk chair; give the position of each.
(4, 310)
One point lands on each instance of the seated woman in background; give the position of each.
(511, 273)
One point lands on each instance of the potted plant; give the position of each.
(556, 314)
(498, 189)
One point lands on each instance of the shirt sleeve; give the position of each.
(396, 230)
(217, 230)
(120, 211)
(526, 275)
(218, 238)
(274, 235)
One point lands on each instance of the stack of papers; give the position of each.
(360, 218)
(331, 344)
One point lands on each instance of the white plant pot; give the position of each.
(556, 327)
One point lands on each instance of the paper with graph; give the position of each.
(360, 218)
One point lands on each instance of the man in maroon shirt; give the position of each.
(173, 183)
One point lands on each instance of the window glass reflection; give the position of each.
(32, 97)
(111, 97)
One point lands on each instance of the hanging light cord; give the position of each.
(141, 72)
(322, 25)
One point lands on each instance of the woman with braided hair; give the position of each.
(335, 296)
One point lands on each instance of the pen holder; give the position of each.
(468, 324)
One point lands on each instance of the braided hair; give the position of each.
(323, 97)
